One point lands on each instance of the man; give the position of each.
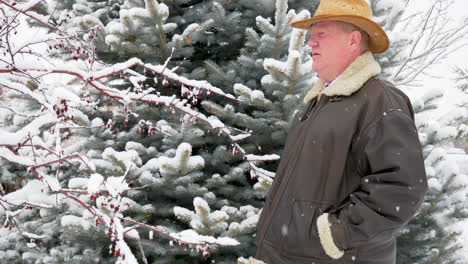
(352, 172)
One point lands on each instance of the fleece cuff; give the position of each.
(326, 238)
(255, 261)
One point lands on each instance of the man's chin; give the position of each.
(315, 68)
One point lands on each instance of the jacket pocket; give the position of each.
(293, 233)
(300, 235)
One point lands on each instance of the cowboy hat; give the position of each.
(356, 12)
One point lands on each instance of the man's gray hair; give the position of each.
(365, 38)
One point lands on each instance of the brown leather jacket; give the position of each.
(351, 174)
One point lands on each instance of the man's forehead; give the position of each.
(324, 24)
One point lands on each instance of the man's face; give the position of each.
(329, 49)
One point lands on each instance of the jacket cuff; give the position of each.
(326, 238)
(254, 261)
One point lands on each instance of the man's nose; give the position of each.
(312, 43)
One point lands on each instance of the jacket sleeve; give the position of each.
(390, 192)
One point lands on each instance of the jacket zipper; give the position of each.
(311, 105)
(311, 111)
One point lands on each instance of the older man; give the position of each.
(352, 172)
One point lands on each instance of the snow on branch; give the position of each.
(436, 36)
(189, 238)
(41, 143)
(125, 97)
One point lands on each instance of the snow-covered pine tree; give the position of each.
(134, 136)
(433, 236)
(461, 81)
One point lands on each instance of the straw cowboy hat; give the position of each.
(356, 12)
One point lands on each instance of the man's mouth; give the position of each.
(315, 54)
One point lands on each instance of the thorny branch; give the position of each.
(97, 80)
(172, 102)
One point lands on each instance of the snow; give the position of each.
(32, 193)
(201, 206)
(265, 25)
(434, 183)
(94, 184)
(128, 158)
(136, 146)
(248, 224)
(116, 185)
(28, 4)
(240, 137)
(71, 220)
(284, 230)
(81, 9)
(192, 237)
(53, 183)
(262, 173)
(252, 157)
(182, 163)
(31, 245)
(126, 256)
(91, 20)
(8, 155)
(257, 95)
(33, 236)
(139, 12)
(110, 39)
(132, 233)
(183, 213)
(151, 165)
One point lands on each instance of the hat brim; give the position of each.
(379, 41)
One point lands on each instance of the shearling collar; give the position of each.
(362, 69)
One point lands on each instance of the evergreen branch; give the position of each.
(277, 47)
(299, 44)
(281, 9)
(215, 69)
(152, 8)
(162, 40)
(265, 26)
(439, 197)
(252, 34)
(18, 114)
(228, 3)
(292, 80)
(204, 215)
(119, 163)
(159, 28)
(220, 12)
(173, 236)
(277, 72)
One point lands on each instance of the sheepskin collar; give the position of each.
(349, 82)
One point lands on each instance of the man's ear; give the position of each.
(355, 39)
